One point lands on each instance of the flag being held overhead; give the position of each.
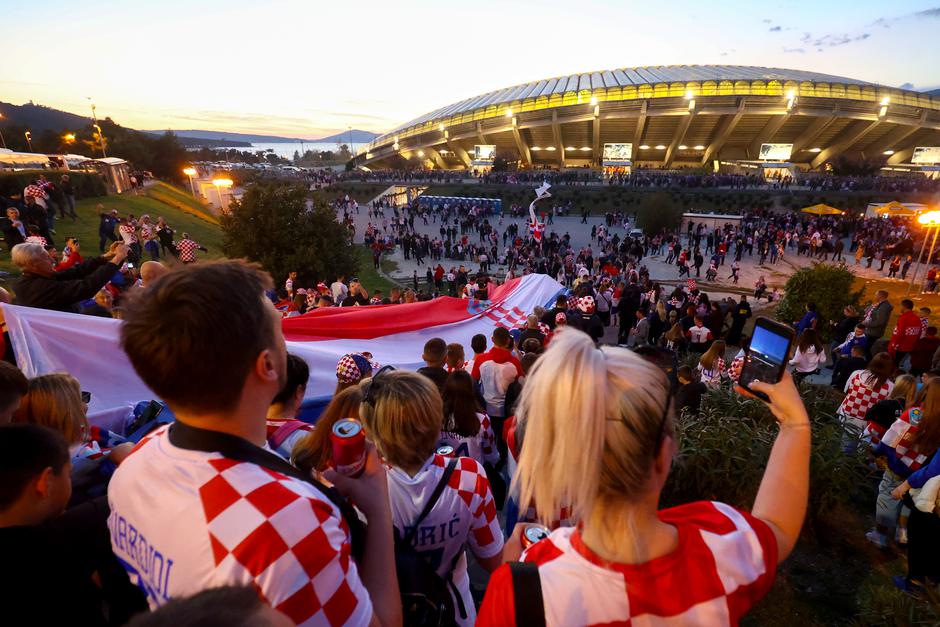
(536, 227)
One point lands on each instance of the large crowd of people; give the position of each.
(540, 450)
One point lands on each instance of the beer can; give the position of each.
(446, 451)
(533, 534)
(349, 447)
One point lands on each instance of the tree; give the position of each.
(272, 226)
(657, 212)
(829, 286)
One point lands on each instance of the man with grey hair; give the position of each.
(41, 286)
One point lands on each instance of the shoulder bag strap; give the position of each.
(527, 594)
(283, 432)
(432, 501)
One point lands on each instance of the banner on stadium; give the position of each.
(926, 155)
(617, 154)
(775, 152)
(88, 347)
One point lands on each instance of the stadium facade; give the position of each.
(668, 116)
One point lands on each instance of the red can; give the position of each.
(533, 534)
(446, 451)
(349, 447)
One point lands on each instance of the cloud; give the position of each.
(794, 50)
(767, 20)
(832, 41)
(934, 12)
(775, 29)
(888, 21)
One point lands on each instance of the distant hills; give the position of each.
(38, 118)
(355, 136)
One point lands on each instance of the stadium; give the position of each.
(672, 116)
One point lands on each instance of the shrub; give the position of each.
(659, 211)
(723, 450)
(827, 285)
(86, 184)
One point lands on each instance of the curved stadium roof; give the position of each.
(737, 107)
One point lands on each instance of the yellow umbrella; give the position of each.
(896, 209)
(822, 210)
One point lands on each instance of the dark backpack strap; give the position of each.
(432, 500)
(527, 594)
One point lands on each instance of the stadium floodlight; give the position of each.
(644, 147)
(888, 152)
(689, 95)
(885, 101)
(570, 148)
(593, 100)
(660, 147)
(683, 147)
(420, 153)
(815, 149)
(700, 147)
(791, 99)
(585, 148)
(508, 113)
(550, 149)
(535, 148)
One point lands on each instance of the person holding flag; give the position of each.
(535, 227)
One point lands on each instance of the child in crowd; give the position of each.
(689, 393)
(478, 346)
(435, 356)
(353, 368)
(284, 430)
(455, 358)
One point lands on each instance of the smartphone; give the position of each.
(766, 357)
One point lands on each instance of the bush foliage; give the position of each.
(273, 226)
(723, 450)
(659, 211)
(86, 184)
(827, 285)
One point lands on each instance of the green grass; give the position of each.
(369, 277)
(181, 215)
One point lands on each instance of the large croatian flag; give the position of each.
(88, 347)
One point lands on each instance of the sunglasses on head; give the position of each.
(375, 385)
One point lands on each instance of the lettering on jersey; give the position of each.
(146, 566)
(434, 534)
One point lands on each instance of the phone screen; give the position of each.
(766, 356)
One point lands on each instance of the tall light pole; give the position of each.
(191, 172)
(29, 143)
(349, 129)
(219, 184)
(930, 219)
(94, 119)
(3, 141)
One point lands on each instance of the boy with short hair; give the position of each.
(478, 345)
(699, 336)
(455, 357)
(435, 355)
(690, 391)
(847, 365)
(54, 552)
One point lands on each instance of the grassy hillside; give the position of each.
(181, 211)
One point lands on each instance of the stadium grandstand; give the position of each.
(719, 116)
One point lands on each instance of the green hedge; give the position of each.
(86, 184)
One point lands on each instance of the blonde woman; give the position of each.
(55, 401)
(600, 435)
(402, 413)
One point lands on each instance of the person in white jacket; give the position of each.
(809, 355)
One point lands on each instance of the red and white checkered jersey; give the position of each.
(182, 521)
(128, 234)
(481, 447)
(859, 397)
(465, 515)
(725, 562)
(187, 250)
(36, 192)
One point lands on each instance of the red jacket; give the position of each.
(906, 333)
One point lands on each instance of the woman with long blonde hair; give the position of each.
(600, 437)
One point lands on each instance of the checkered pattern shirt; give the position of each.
(481, 447)
(36, 192)
(900, 437)
(187, 250)
(465, 515)
(725, 562)
(859, 397)
(184, 521)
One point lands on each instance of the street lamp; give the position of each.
(29, 143)
(101, 139)
(930, 220)
(3, 141)
(68, 138)
(191, 172)
(219, 184)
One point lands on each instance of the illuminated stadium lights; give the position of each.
(535, 148)
(420, 153)
(884, 107)
(683, 147)
(644, 147)
(815, 149)
(888, 152)
(885, 101)
(570, 148)
(508, 113)
(791, 99)
(689, 95)
(585, 148)
(593, 100)
(441, 127)
(660, 147)
(550, 149)
(700, 147)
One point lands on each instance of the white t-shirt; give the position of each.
(481, 447)
(340, 291)
(183, 521)
(465, 514)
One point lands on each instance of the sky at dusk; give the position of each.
(311, 68)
